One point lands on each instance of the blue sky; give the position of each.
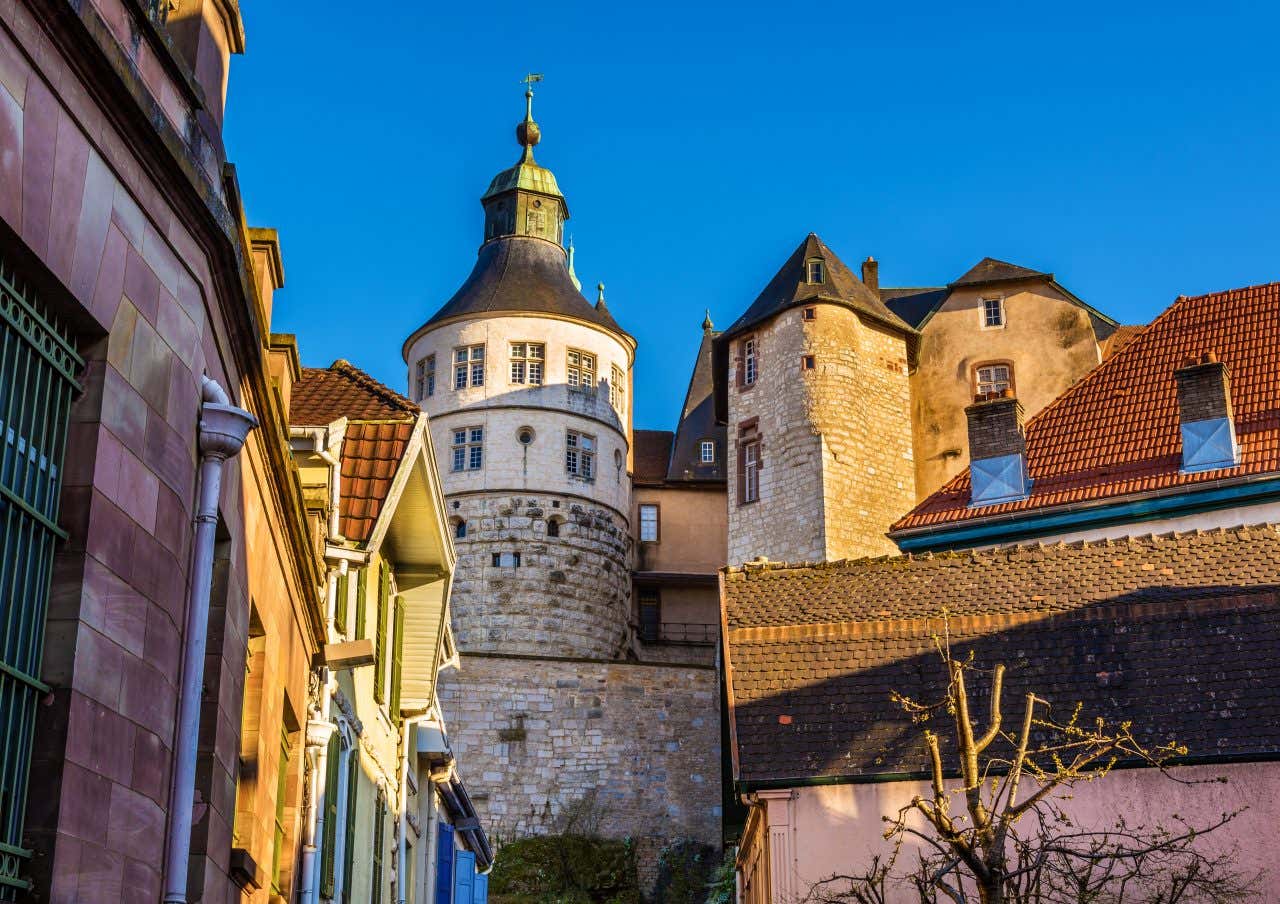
(1131, 149)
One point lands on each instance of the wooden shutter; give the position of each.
(380, 636)
(480, 892)
(349, 845)
(362, 603)
(379, 817)
(464, 877)
(742, 471)
(397, 656)
(340, 605)
(330, 840)
(444, 864)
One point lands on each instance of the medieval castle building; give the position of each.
(585, 599)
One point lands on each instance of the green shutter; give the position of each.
(340, 605)
(380, 636)
(361, 602)
(282, 788)
(349, 846)
(397, 657)
(330, 841)
(379, 817)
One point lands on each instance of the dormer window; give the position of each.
(815, 272)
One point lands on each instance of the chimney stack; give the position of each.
(871, 275)
(997, 449)
(1205, 416)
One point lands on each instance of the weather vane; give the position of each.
(530, 80)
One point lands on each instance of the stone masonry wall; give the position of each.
(570, 595)
(836, 440)
(537, 736)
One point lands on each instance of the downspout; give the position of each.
(223, 430)
(407, 733)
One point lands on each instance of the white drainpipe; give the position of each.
(409, 736)
(223, 430)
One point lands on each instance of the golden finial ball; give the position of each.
(528, 133)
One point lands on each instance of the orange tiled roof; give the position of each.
(1119, 339)
(381, 424)
(1115, 433)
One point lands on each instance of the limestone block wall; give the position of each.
(836, 439)
(570, 594)
(537, 736)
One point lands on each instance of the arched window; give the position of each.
(553, 527)
(459, 529)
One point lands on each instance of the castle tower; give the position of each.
(813, 383)
(528, 388)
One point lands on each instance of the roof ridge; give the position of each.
(363, 379)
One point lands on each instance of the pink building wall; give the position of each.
(816, 832)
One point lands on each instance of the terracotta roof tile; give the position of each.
(1115, 433)
(1119, 339)
(1178, 633)
(381, 425)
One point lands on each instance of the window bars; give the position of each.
(38, 366)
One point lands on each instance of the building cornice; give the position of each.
(623, 339)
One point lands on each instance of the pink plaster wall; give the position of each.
(838, 828)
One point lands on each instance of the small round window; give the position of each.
(525, 436)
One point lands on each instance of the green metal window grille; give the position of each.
(282, 786)
(38, 367)
(380, 636)
(340, 604)
(330, 842)
(397, 657)
(349, 846)
(362, 602)
(379, 831)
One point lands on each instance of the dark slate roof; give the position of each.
(1179, 633)
(990, 270)
(1115, 433)
(698, 422)
(651, 451)
(523, 274)
(915, 305)
(789, 288)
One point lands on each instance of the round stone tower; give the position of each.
(528, 386)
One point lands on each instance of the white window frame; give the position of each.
(751, 471)
(528, 362)
(649, 528)
(750, 362)
(821, 265)
(707, 452)
(466, 451)
(617, 389)
(998, 301)
(581, 370)
(993, 382)
(580, 451)
(468, 366)
(426, 376)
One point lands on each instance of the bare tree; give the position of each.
(993, 828)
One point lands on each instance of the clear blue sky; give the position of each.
(1132, 150)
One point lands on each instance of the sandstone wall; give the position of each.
(570, 595)
(537, 736)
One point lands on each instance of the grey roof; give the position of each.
(790, 287)
(990, 270)
(915, 305)
(523, 274)
(698, 422)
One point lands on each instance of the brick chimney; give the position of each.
(871, 274)
(1205, 417)
(997, 449)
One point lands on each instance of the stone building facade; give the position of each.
(555, 704)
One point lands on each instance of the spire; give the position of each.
(577, 283)
(600, 305)
(707, 325)
(524, 199)
(528, 133)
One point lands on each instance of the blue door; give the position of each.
(464, 876)
(444, 864)
(480, 893)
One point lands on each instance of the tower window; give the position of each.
(468, 449)
(581, 370)
(815, 272)
(580, 455)
(992, 313)
(526, 362)
(750, 361)
(707, 452)
(468, 366)
(506, 560)
(426, 377)
(617, 389)
(749, 473)
(648, 524)
(460, 530)
(992, 378)
(808, 362)
(553, 527)
(810, 313)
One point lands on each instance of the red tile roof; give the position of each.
(381, 425)
(340, 390)
(1115, 433)
(1178, 633)
(1119, 339)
